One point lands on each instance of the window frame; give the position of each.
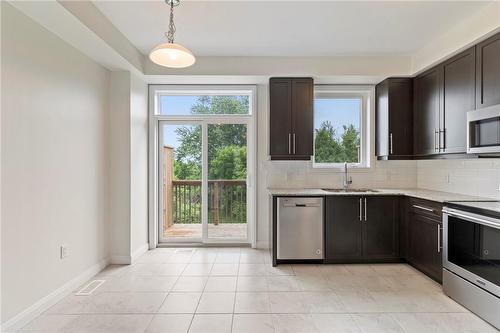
(208, 90)
(366, 94)
(155, 119)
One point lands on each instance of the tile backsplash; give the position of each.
(478, 177)
(382, 174)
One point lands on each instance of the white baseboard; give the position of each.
(46, 302)
(127, 260)
(120, 260)
(138, 252)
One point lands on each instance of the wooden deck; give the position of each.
(229, 230)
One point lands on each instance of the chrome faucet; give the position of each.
(347, 178)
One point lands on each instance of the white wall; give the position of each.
(119, 166)
(478, 177)
(128, 167)
(290, 66)
(138, 165)
(463, 35)
(54, 120)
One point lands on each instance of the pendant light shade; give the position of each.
(171, 54)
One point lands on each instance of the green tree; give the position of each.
(229, 163)
(326, 147)
(330, 148)
(350, 143)
(220, 136)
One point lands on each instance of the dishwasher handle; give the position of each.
(301, 205)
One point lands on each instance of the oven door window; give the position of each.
(485, 133)
(475, 248)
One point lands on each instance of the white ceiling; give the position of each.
(290, 28)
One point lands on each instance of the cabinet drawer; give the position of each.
(428, 208)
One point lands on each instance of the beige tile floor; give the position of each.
(237, 290)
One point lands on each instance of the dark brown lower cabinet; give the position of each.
(361, 228)
(380, 227)
(424, 249)
(342, 228)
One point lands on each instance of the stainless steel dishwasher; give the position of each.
(300, 228)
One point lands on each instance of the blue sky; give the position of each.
(340, 111)
(178, 105)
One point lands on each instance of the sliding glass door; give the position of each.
(180, 152)
(205, 158)
(227, 181)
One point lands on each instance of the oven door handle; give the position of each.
(484, 220)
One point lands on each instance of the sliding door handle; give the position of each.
(294, 143)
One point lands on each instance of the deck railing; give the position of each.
(226, 201)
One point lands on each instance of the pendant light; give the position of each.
(171, 54)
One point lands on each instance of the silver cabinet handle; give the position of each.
(294, 143)
(424, 208)
(442, 144)
(361, 209)
(289, 143)
(436, 139)
(366, 211)
(439, 239)
(390, 143)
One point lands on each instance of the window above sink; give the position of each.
(341, 126)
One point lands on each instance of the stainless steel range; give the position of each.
(471, 262)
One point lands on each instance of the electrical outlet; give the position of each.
(64, 251)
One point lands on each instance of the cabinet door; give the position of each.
(424, 250)
(458, 98)
(426, 112)
(394, 118)
(400, 116)
(343, 227)
(302, 117)
(380, 228)
(382, 119)
(488, 72)
(280, 114)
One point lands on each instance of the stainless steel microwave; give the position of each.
(483, 130)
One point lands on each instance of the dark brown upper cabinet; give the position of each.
(488, 72)
(291, 118)
(426, 107)
(458, 74)
(394, 118)
(442, 97)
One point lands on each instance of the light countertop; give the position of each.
(416, 193)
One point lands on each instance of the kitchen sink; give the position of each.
(356, 190)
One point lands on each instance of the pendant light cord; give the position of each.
(171, 26)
